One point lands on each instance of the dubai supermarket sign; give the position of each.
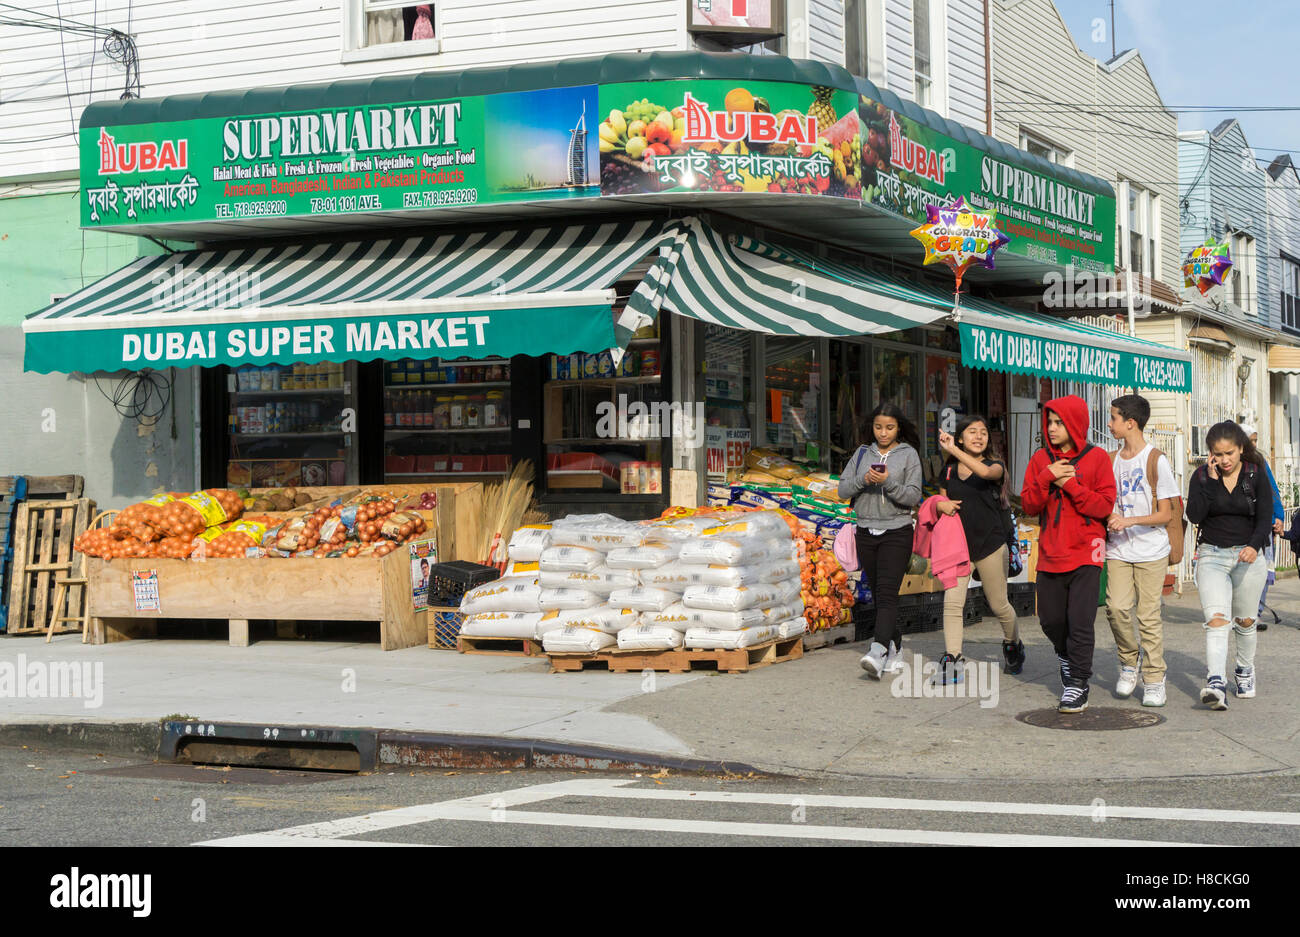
(665, 137)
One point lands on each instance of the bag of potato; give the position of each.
(772, 463)
(195, 513)
(821, 485)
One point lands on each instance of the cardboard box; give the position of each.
(917, 585)
(399, 464)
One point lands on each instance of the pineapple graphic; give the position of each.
(822, 109)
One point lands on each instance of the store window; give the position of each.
(607, 427)
(863, 44)
(848, 377)
(1241, 279)
(1290, 294)
(793, 382)
(728, 398)
(446, 420)
(893, 376)
(292, 425)
(946, 397)
(1212, 393)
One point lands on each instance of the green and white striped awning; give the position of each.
(743, 283)
(477, 294)
(1023, 343)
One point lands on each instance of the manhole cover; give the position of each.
(1099, 719)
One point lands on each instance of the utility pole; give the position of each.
(1112, 29)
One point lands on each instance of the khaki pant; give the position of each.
(993, 576)
(1140, 584)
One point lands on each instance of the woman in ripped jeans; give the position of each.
(1231, 503)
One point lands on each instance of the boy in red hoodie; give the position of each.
(1070, 485)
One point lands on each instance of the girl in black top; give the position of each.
(1231, 502)
(974, 488)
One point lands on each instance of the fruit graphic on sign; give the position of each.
(822, 108)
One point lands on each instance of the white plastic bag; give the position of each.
(603, 535)
(673, 576)
(501, 625)
(750, 524)
(519, 594)
(732, 598)
(644, 598)
(527, 543)
(734, 551)
(720, 575)
(781, 571)
(602, 618)
(776, 614)
(680, 617)
(648, 556)
(708, 638)
(649, 638)
(793, 627)
(601, 580)
(571, 559)
(551, 599)
(575, 639)
(679, 528)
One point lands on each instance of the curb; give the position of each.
(375, 748)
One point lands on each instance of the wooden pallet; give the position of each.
(505, 647)
(13, 491)
(838, 635)
(681, 660)
(43, 535)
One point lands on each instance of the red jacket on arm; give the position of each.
(1072, 517)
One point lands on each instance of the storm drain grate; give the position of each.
(1100, 719)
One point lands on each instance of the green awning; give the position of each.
(744, 283)
(1022, 343)
(477, 294)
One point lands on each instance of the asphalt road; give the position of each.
(78, 799)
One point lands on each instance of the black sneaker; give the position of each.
(1013, 652)
(951, 670)
(1074, 699)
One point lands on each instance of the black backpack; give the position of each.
(1057, 493)
(1247, 485)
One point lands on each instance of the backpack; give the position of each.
(1015, 565)
(1176, 527)
(1057, 493)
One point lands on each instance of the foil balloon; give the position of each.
(1206, 265)
(959, 236)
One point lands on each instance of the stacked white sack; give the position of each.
(577, 581)
(504, 608)
(742, 576)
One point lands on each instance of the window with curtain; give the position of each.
(390, 21)
(1241, 277)
(857, 57)
(1138, 226)
(1290, 295)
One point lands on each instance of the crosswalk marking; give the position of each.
(501, 807)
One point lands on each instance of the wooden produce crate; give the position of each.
(680, 660)
(42, 538)
(365, 588)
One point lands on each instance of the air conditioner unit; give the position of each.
(1197, 442)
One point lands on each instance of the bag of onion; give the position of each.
(195, 513)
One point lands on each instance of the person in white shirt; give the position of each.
(1137, 550)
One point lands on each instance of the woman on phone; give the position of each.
(1231, 503)
(883, 481)
(973, 485)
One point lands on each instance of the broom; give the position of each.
(503, 508)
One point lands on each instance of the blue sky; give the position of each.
(1200, 52)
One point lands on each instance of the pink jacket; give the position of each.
(941, 539)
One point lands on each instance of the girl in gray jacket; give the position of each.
(884, 482)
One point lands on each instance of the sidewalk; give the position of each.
(817, 715)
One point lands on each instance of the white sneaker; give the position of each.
(894, 661)
(1153, 694)
(873, 662)
(1127, 682)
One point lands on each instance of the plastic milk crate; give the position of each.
(448, 582)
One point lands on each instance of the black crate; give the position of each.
(916, 613)
(1021, 596)
(448, 582)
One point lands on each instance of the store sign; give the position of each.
(1000, 350)
(907, 166)
(725, 450)
(587, 141)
